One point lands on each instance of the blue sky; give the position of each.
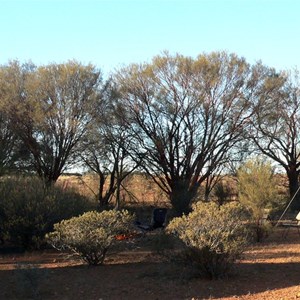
(113, 33)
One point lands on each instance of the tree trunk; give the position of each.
(101, 201)
(293, 189)
(181, 197)
(118, 194)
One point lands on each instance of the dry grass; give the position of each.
(137, 189)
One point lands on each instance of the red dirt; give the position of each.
(270, 270)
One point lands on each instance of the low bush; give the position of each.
(91, 234)
(215, 237)
(28, 210)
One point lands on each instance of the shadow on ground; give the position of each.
(142, 280)
(137, 272)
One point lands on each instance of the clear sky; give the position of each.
(113, 33)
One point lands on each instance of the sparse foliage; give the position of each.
(106, 149)
(275, 124)
(185, 116)
(259, 193)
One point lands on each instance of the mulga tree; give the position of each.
(185, 116)
(106, 148)
(8, 146)
(49, 109)
(276, 124)
(14, 156)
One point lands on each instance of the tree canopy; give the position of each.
(275, 125)
(49, 108)
(185, 116)
(178, 118)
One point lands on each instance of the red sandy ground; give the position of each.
(270, 270)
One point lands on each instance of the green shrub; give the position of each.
(259, 192)
(215, 236)
(91, 234)
(28, 210)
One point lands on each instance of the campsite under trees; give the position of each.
(185, 122)
(173, 171)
